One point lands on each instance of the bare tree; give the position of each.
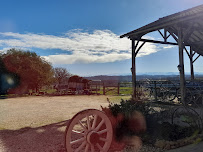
(61, 75)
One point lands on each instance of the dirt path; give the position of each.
(37, 124)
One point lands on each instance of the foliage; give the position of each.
(78, 79)
(7, 79)
(173, 132)
(61, 75)
(33, 70)
(128, 107)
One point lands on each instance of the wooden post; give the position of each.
(118, 88)
(133, 70)
(191, 65)
(155, 91)
(103, 89)
(181, 65)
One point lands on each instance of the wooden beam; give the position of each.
(139, 48)
(173, 35)
(133, 70)
(165, 35)
(197, 42)
(155, 27)
(196, 58)
(189, 30)
(191, 65)
(159, 42)
(193, 54)
(187, 52)
(161, 34)
(181, 65)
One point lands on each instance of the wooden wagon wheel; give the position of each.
(188, 98)
(167, 91)
(89, 131)
(187, 116)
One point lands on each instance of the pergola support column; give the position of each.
(133, 69)
(191, 65)
(181, 66)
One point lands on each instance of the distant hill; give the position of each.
(128, 78)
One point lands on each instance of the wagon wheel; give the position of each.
(186, 116)
(189, 98)
(168, 91)
(89, 131)
(197, 93)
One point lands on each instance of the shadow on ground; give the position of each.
(49, 138)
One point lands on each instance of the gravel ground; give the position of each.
(37, 124)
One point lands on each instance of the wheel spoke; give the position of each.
(102, 131)
(103, 139)
(81, 146)
(94, 122)
(92, 148)
(100, 124)
(87, 147)
(100, 148)
(88, 123)
(77, 141)
(77, 132)
(82, 125)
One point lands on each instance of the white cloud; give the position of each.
(168, 46)
(100, 46)
(4, 50)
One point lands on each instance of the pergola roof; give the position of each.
(189, 21)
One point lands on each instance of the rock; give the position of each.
(134, 141)
(160, 144)
(172, 143)
(173, 147)
(167, 146)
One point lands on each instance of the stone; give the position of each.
(173, 147)
(167, 147)
(160, 144)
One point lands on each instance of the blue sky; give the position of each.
(83, 35)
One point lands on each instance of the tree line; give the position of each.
(28, 71)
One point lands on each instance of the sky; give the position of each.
(83, 35)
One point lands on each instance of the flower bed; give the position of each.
(128, 123)
(134, 123)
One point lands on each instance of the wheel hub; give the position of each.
(93, 137)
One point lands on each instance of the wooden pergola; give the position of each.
(185, 27)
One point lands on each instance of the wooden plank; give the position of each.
(191, 65)
(196, 58)
(139, 48)
(187, 52)
(159, 42)
(181, 65)
(161, 34)
(133, 68)
(159, 26)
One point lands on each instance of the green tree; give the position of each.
(34, 71)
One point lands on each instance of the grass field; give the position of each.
(114, 91)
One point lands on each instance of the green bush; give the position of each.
(127, 107)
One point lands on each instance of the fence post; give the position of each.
(103, 89)
(118, 88)
(155, 91)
